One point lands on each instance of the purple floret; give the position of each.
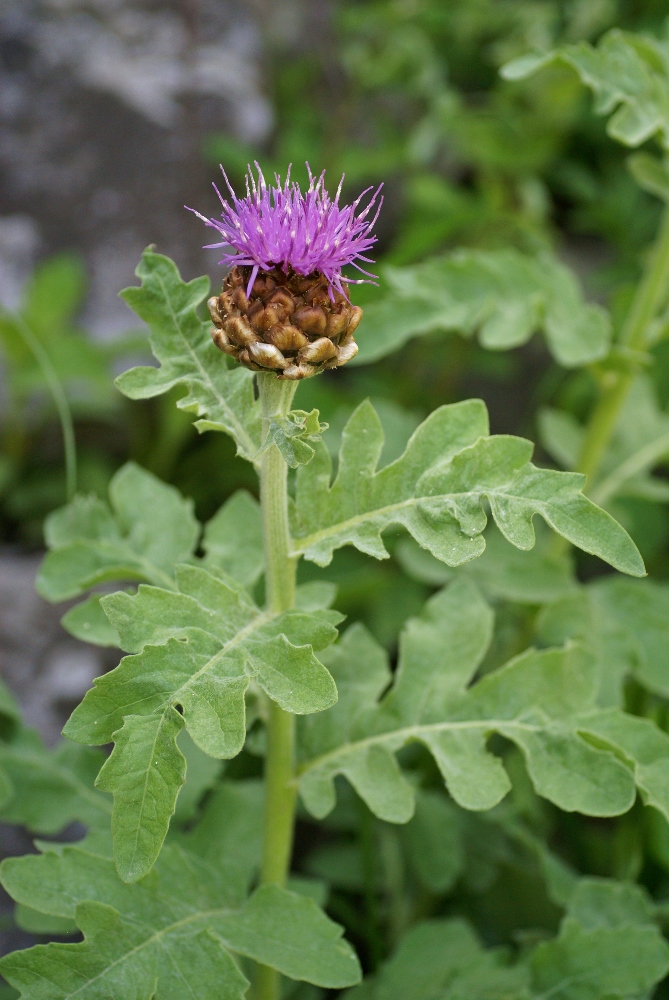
(281, 227)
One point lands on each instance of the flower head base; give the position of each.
(284, 307)
(279, 227)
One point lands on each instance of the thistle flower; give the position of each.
(284, 306)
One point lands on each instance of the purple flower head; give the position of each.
(281, 227)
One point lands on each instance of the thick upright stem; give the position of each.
(280, 791)
(649, 298)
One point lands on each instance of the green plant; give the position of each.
(432, 798)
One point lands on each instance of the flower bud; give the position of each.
(284, 307)
(278, 328)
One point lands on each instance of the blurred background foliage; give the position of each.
(408, 93)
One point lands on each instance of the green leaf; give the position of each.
(35, 922)
(577, 757)
(598, 902)
(230, 827)
(502, 571)
(625, 622)
(201, 774)
(641, 744)
(290, 933)
(439, 653)
(640, 442)
(150, 529)
(196, 649)
(233, 540)
(51, 789)
(628, 76)
(145, 773)
(361, 672)
(443, 958)
(54, 293)
(504, 295)
(437, 489)
(88, 622)
(316, 595)
(171, 932)
(220, 396)
(434, 842)
(608, 946)
(650, 174)
(561, 435)
(294, 436)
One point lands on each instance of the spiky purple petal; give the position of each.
(281, 227)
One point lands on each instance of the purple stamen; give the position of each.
(281, 227)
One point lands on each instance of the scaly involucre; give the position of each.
(278, 226)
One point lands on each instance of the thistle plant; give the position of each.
(184, 884)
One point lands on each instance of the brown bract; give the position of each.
(289, 325)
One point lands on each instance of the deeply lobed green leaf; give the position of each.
(169, 935)
(148, 529)
(625, 623)
(437, 489)
(47, 790)
(504, 295)
(196, 650)
(628, 75)
(577, 756)
(219, 394)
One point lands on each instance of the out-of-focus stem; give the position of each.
(649, 298)
(60, 401)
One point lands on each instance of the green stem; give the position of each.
(649, 298)
(60, 400)
(280, 787)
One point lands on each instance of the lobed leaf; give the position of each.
(196, 650)
(221, 396)
(537, 576)
(294, 436)
(625, 623)
(504, 295)
(578, 757)
(608, 945)
(48, 790)
(229, 831)
(233, 540)
(628, 75)
(148, 528)
(169, 935)
(437, 490)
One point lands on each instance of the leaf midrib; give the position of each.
(305, 542)
(139, 826)
(261, 619)
(402, 736)
(154, 938)
(240, 431)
